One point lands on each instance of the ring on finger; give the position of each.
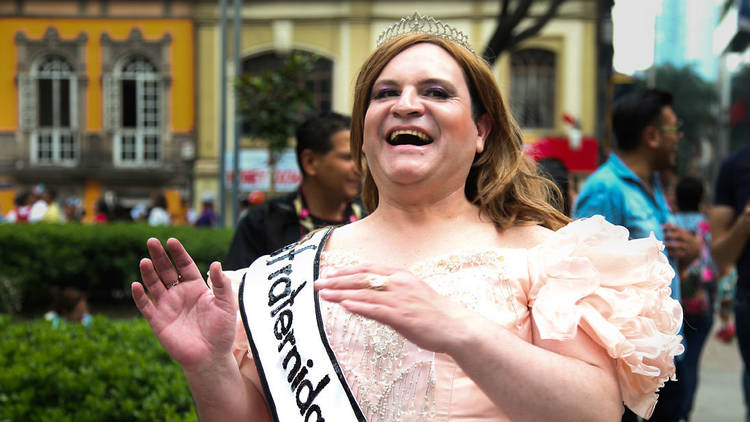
(376, 282)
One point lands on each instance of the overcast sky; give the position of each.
(633, 34)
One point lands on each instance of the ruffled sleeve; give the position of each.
(589, 275)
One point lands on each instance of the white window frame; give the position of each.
(148, 109)
(56, 68)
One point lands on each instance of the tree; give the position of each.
(273, 102)
(508, 34)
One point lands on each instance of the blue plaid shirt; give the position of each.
(615, 192)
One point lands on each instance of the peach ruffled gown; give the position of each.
(586, 276)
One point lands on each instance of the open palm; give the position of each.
(193, 323)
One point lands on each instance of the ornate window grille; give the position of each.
(533, 87)
(136, 113)
(51, 112)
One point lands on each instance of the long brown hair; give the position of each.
(502, 181)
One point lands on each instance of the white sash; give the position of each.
(301, 378)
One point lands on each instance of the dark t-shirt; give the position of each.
(733, 189)
(270, 226)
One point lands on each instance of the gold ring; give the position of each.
(179, 278)
(172, 284)
(376, 282)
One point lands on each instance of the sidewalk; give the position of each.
(719, 395)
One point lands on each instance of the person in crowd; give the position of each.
(463, 295)
(207, 217)
(73, 210)
(626, 190)
(39, 204)
(158, 214)
(327, 194)
(54, 213)
(139, 212)
(22, 208)
(698, 286)
(187, 212)
(69, 304)
(730, 232)
(101, 212)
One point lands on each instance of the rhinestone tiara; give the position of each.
(417, 23)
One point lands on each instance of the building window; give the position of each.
(138, 135)
(319, 82)
(54, 138)
(533, 87)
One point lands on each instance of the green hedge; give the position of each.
(109, 371)
(99, 259)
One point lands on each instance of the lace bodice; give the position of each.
(393, 379)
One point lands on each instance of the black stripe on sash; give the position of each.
(321, 331)
(324, 337)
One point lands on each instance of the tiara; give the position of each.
(424, 25)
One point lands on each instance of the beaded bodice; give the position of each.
(393, 379)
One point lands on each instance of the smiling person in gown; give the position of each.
(463, 296)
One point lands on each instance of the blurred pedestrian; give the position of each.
(187, 212)
(54, 213)
(69, 304)
(72, 210)
(139, 212)
(626, 190)
(697, 286)
(326, 196)
(207, 217)
(101, 212)
(730, 225)
(39, 204)
(158, 215)
(21, 208)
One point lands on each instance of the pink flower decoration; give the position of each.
(304, 213)
(352, 218)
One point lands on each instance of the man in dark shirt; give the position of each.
(730, 244)
(326, 196)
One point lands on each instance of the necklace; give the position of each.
(307, 222)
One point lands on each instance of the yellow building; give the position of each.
(547, 76)
(98, 98)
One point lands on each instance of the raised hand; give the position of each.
(400, 300)
(194, 324)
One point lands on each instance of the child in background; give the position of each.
(68, 304)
